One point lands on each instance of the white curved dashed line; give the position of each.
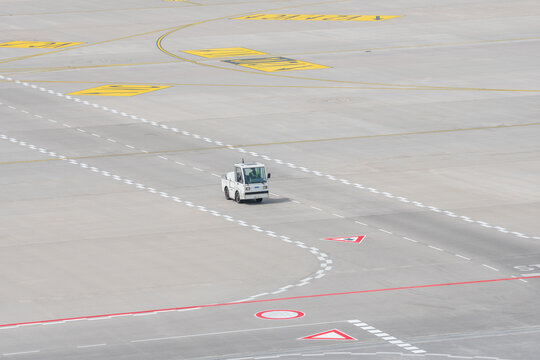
(278, 161)
(228, 218)
(322, 257)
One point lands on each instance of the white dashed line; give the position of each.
(344, 181)
(489, 267)
(21, 353)
(90, 346)
(390, 339)
(406, 238)
(324, 263)
(463, 257)
(435, 248)
(385, 231)
(316, 208)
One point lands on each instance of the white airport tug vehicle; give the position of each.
(248, 181)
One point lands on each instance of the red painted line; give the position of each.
(269, 300)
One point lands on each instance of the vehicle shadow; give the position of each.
(268, 201)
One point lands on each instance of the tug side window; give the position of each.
(238, 175)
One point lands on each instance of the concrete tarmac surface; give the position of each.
(415, 124)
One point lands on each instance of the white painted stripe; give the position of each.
(21, 352)
(406, 238)
(435, 248)
(316, 208)
(463, 257)
(489, 267)
(385, 231)
(90, 346)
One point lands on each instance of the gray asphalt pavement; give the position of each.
(419, 132)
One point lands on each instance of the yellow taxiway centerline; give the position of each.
(279, 143)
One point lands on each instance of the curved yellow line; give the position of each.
(425, 87)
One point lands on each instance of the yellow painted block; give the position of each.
(275, 64)
(224, 52)
(119, 90)
(317, 17)
(39, 44)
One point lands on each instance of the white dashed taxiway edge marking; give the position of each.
(227, 217)
(324, 261)
(295, 201)
(278, 161)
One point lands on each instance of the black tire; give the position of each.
(237, 197)
(258, 200)
(227, 193)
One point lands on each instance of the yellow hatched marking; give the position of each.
(317, 17)
(275, 64)
(119, 90)
(39, 44)
(224, 52)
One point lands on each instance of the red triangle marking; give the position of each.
(353, 239)
(329, 335)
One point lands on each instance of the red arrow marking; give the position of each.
(351, 239)
(329, 335)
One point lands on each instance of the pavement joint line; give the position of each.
(242, 223)
(238, 331)
(373, 190)
(176, 199)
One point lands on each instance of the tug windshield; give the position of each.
(254, 175)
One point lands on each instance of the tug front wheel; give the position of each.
(227, 193)
(237, 197)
